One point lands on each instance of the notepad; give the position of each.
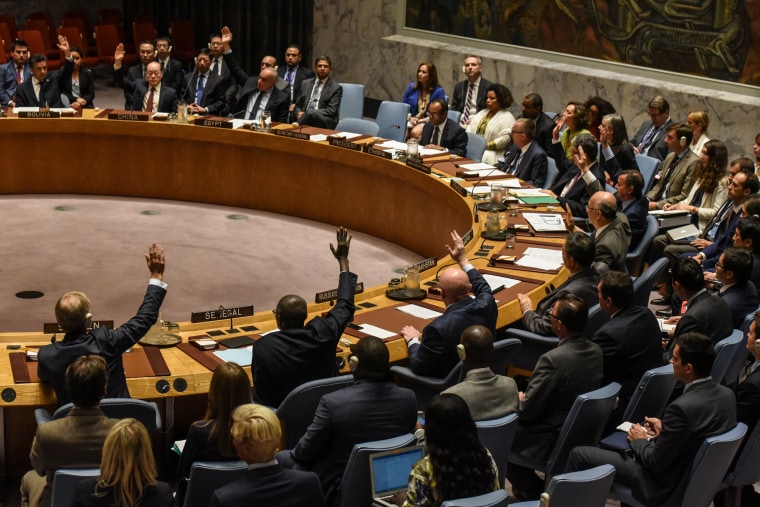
(241, 357)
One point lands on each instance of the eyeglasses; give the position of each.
(518, 132)
(589, 207)
(553, 316)
(153, 72)
(719, 265)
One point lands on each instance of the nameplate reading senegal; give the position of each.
(215, 122)
(418, 165)
(292, 133)
(39, 114)
(459, 188)
(129, 116)
(221, 314)
(330, 295)
(378, 153)
(342, 143)
(52, 327)
(426, 264)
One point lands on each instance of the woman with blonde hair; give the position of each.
(209, 439)
(127, 472)
(698, 121)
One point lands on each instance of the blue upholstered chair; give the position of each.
(208, 476)
(65, 485)
(118, 408)
(588, 488)
(352, 102)
(497, 435)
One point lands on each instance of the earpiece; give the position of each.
(461, 352)
(170, 48)
(88, 321)
(463, 69)
(353, 363)
(276, 68)
(682, 141)
(209, 45)
(757, 347)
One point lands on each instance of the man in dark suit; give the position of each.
(171, 67)
(220, 68)
(211, 99)
(371, 409)
(533, 109)
(270, 62)
(298, 353)
(733, 270)
(434, 351)
(294, 73)
(152, 96)
(318, 104)
(657, 469)
(673, 184)
(650, 138)
(14, 72)
(612, 234)
(442, 133)
(526, 159)
(258, 93)
(577, 256)
(72, 312)
(561, 374)
(632, 203)
(44, 90)
(470, 95)
(74, 441)
(127, 80)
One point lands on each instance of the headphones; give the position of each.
(209, 45)
(682, 141)
(461, 352)
(88, 321)
(757, 346)
(353, 363)
(463, 69)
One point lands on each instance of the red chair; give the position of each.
(36, 45)
(183, 40)
(144, 18)
(106, 40)
(9, 20)
(47, 18)
(143, 31)
(51, 51)
(89, 42)
(5, 35)
(3, 58)
(75, 38)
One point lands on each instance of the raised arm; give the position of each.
(156, 261)
(341, 251)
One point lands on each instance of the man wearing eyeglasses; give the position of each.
(150, 95)
(126, 80)
(612, 234)
(526, 159)
(650, 138)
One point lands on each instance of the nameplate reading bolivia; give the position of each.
(39, 114)
(221, 313)
(292, 133)
(52, 327)
(129, 116)
(342, 143)
(377, 153)
(329, 295)
(213, 121)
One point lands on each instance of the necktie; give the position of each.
(468, 103)
(570, 185)
(215, 68)
(149, 104)
(314, 96)
(513, 167)
(644, 145)
(144, 73)
(436, 136)
(199, 92)
(697, 201)
(256, 106)
(163, 67)
(666, 179)
(19, 74)
(289, 78)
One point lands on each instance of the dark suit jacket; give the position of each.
(454, 137)
(658, 148)
(459, 99)
(679, 183)
(723, 239)
(326, 115)
(544, 127)
(437, 354)
(631, 345)
(363, 412)
(173, 75)
(213, 97)
(288, 358)
(532, 166)
(53, 359)
(705, 314)
(748, 400)
(662, 464)
(86, 88)
(126, 79)
(742, 299)
(636, 212)
(574, 367)
(272, 485)
(8, 81)
(277, 103)
(159, 495)
(74, 441)
(50, 94)
(583, 284)
(612, 245)
(301, 74)
(167, 98)
(198, 447)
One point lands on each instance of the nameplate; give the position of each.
(330, 295)
(426, 264)
(378, 153)
(459, 188)
(292, 133)
(129, 116)
(52, 327)
(468, 237)
(342, 143)
(221, 313)
(418, 165)
(219, 123)
(39, 114)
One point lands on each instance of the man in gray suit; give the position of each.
(573, 368)
(318, 104)
(671, 183)
(487, 395)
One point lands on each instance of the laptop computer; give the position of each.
(389, 472)
(685, 234)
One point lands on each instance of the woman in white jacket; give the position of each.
(494, 122)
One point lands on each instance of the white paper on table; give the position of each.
(533, 262)
(376, 331)
(350, 135)
(509, 183)
(418, 311)
(477, 166)
(318, 137)
(395, 145)
(545, 222)
(486, 172)
(429, 152)
(663, 213)
(546, 254)
(238, 122)
(17, 110)
(241, 356)
(528, 192)
(496, 281)
(63, 110)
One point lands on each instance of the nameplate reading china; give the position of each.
(378, 153)
(206, 121)
(292, 133)
(418, 165)
(52, 327)
(129, 116)
(459, 188)
(221, 313)
(329, 295)
(426, 264)
(342, 143)
(39, 114)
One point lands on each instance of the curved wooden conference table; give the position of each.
(239, 168)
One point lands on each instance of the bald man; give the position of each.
(299, 352)
(434, 351)
(612, 236)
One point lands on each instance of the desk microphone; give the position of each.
(472, 192)
(223, 309)
(183, 95)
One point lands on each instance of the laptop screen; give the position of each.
(390, 470)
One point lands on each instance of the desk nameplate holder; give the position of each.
(292, 133)
(213, 121)
(222, 313)
(129, 116)
(53, 328)
(378, 153)
(414, 164)
(39, 114)
(459, 188)
(342, 143)
(332, 294)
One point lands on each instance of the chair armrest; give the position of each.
(527, 337)
(408, 375)
(41, 416)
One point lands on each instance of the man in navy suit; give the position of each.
(472, 91)
(294, 73)
(211, 99)
(371, 409)
(733, 270)
(14, 72)
(632, 203)
(650, 138)
(442, 133)
(318, 104)
(664, 450)
(526, 159)
(44, 90)
(533, 109)
(434, 351)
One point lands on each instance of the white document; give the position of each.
(376, 331)
(477, 166)
(350, 135)
(496, 281)
(237, 123)
(429, 152)
(663, 213)
(17, 110)
(318, 137)
(241, 356)
(485, 172)
(418, 311)
(395, 145)
(528, 192)
(545, 222)
(541, 258)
